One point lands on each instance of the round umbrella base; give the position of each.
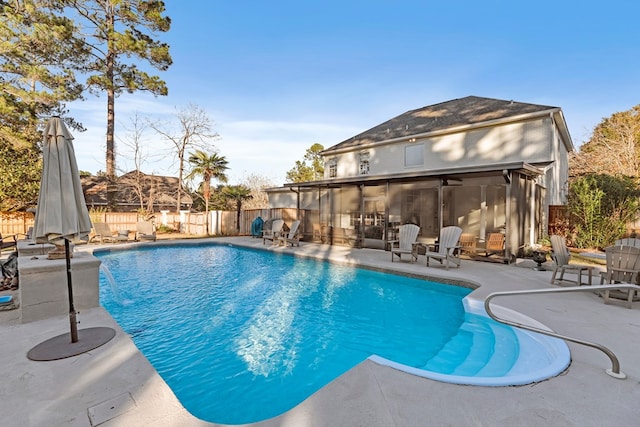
(61, 347)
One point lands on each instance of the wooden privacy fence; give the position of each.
(184, 222)
(15, 222)
(220, 223)
(225, 223)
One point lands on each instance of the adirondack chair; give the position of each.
(561, 257)
(102, 233)
(292, 237)
(623, 266)
(273, 233)
(407, 235)
(628, 241)
(494, 244)
(8, 241)
(447, 249)
(468, 243)
(145, 231)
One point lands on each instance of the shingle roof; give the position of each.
(471, 110)
(162, 188)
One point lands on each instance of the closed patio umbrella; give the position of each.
(61, 217)
(61, 214)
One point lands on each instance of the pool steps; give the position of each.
(479, 349)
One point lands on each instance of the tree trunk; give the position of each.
(112, 189)
(239, 207)
(206, 192)
(206, 213)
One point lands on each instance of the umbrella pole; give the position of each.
(72, 311)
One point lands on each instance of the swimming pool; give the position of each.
(244, 335)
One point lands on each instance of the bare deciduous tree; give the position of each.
(256, 184)
(194, 131)
(134, 140)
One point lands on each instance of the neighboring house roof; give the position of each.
(457, 114)
(162, 189)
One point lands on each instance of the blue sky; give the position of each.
(279, 76)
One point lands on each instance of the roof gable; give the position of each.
(471, 110)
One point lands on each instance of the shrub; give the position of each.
(600, 207)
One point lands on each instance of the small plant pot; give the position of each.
(539, 257)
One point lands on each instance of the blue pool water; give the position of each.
(243, 335)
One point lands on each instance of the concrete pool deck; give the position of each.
(114, 385)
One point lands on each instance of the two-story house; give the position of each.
(486, 165)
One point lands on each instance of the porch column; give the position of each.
(440, 206)
(508, 225)
(386, 213)
(361, 231)
(483, 212)
(532, 213)
(319, 208)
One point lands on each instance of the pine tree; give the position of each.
(39, 51)
(118, 42)
(313, 171)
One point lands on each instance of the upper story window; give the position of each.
(414, 155)
(333, 168)
(364, 163)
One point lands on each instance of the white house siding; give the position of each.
(454, 175)
(531, 142)
(558, 179)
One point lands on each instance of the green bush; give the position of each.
(600, 207)
(165, 229)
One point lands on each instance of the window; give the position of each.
(333, 168)
(364, 167)
(414, 155)
(364, 163)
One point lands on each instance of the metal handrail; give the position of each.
(615, 365)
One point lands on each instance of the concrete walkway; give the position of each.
(114, 385)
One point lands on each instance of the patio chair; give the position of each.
(447, 249)
(406, 243)
(145, 231)
(468, 243)
(316, 232)
(272, 233)
(102, 233)
(561, 257)
(494, 244)
(10, 241)
(623, 266)
(628, 241)
(292, 237)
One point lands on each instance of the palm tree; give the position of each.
(207, 166)
(237, 193)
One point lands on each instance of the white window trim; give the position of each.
(414, 155)
(332, 167)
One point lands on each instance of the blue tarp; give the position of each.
(256, 227)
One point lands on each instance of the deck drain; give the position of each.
(105, 411)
